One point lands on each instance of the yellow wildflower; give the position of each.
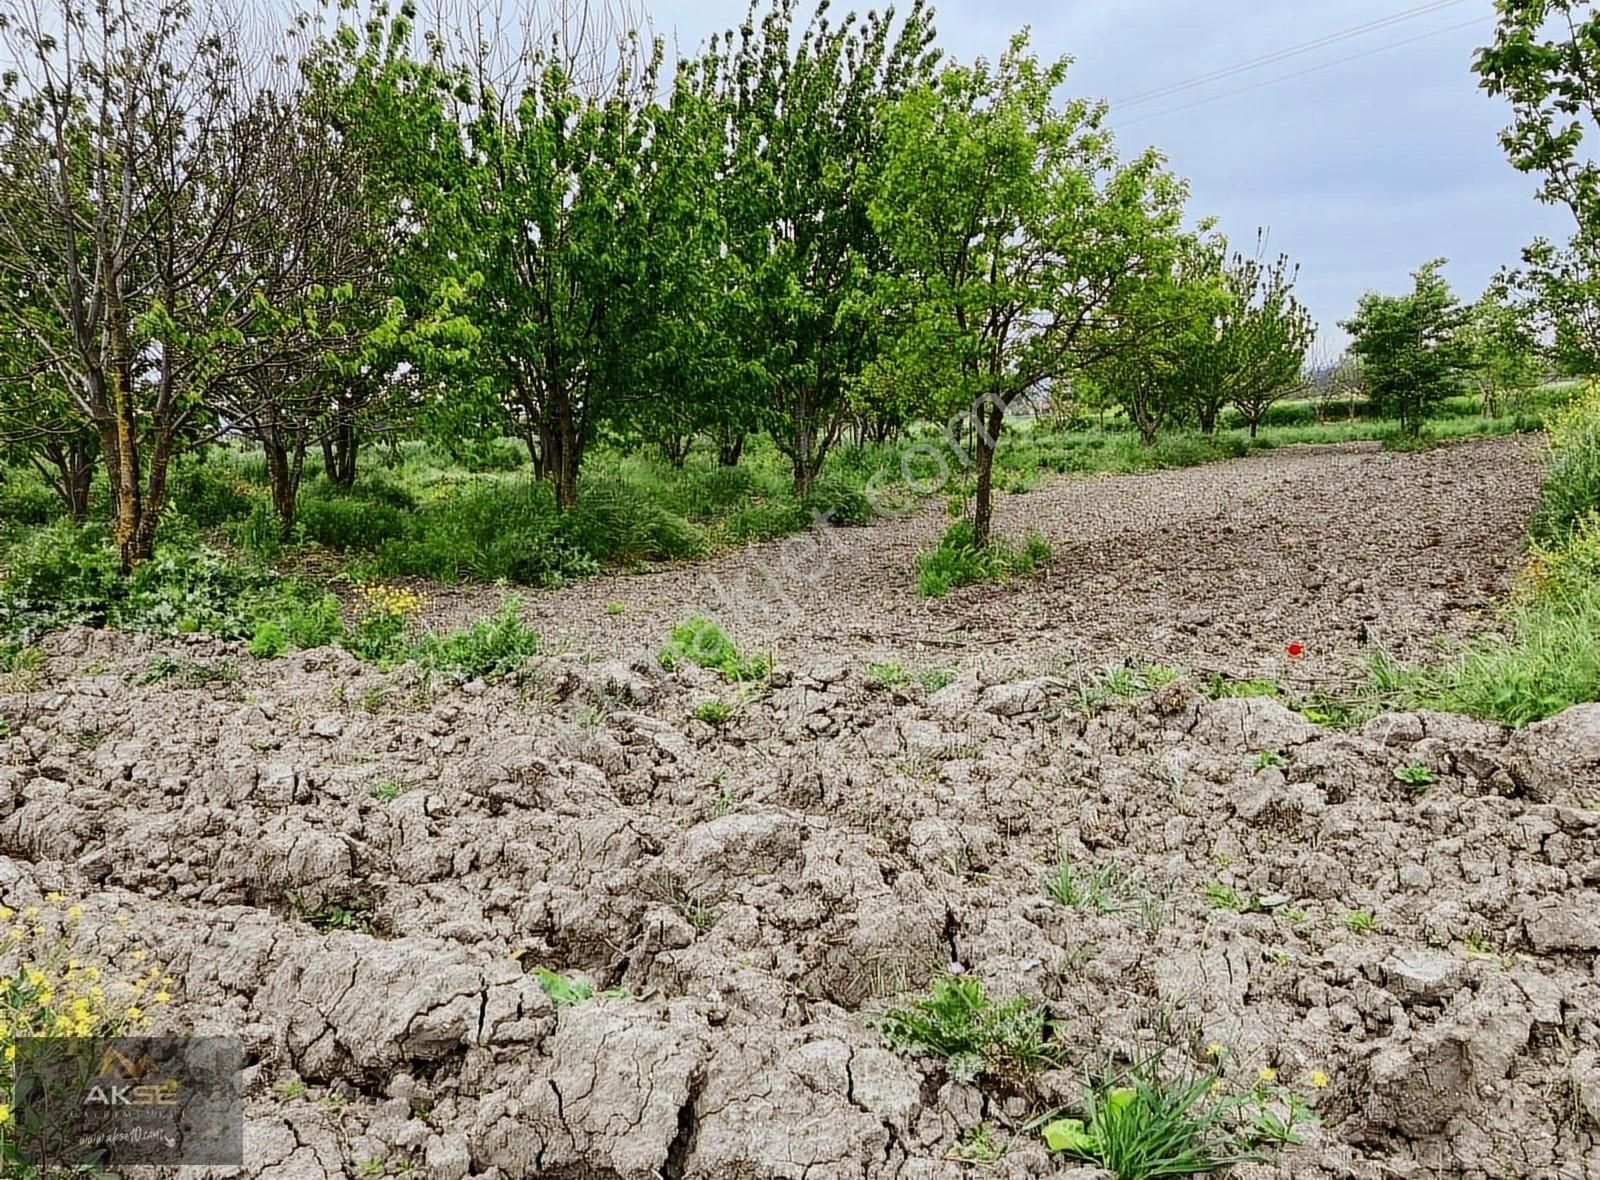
(7, 913)
(135, 1012)
(5, 1113)
(162, 996)
(1319, 1079)
(75, 912)
(1213, 1050)
(1267, 1074)
(54, 898)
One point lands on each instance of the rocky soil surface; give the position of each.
(358, 872)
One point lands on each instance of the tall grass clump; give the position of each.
(958, 561)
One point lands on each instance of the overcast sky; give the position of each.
(1362, 171)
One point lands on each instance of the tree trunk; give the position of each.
(339, 451)
(729, 449)
(69, 470)
(1255, 421)
(983, 505)
(1208, 417)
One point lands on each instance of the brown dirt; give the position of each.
(761, 890)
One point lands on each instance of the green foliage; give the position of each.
(700, 641)
(959, 561)
(713, 711)
(563, 992)
(1545, 62)
(1415, 775)
(488, 649)
(1360, 922)
(1141, 1126)
(1411, 346)
(972, 1033)
(1545, 654)
(1105, 890)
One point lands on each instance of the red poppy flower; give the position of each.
(1295, 651)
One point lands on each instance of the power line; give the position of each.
(1292, 51)
(1338, 61)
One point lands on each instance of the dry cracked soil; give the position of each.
(357, 871)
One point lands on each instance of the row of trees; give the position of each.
(533, 231)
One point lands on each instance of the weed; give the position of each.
(1226, 897)
(372, 699)
(973, 1034)
(713, 711)
(700, 641)
(933, 679)
(388, 790)
(1360, 922)
(563, 992)
(487, 650)
(687, 903)
(333, 915)
(615, 608)
(979, 1145)
(1105, 889)
(888, 675)
(1270, 758)
(291, 1090)
(1415, 775)
(958, 561)
(1219, 687)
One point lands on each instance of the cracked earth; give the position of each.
(745, 899)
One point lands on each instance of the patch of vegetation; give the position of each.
(1226, 897)
(973, 1034)
(566, 991)
(713, 711)
(488, 649)
(700, 641)
(1361, 922)
(388, 790)
(1268, 759)
(1140, 1123)
(334, 915)
(959, 561)
(1415, 775)
(888, 674)
(1105, 890)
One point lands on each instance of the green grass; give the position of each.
(957, 561)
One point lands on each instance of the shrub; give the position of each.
(713, 711)
(349, 523)
(974, 1035)
(957, 561)
(1138, 1127)
(211, 492)
(24, 499)
(488, 649)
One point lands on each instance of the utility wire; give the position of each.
(1283, 54)
(1338, 61)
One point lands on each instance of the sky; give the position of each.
(1360, 171)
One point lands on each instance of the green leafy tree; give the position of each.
(801, 112)
(1545, 62)
(1264, 335)
(1412, 348)
(134, 302)
(1503, 354)
(1166, 344)
(1020, 243)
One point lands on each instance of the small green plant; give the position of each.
(888, 675)
(700, 641)
(1105, 889)
(269, 641)
(333, 915)
(1226, 897)
(979, 1145)
(1415, 775)
(563, 992)
(1139, 1126)
(1360, 922)
(388, 790)
(1270, 758)
(933, 679)
(973, 1034)
(292, 1089)
(713, 711)
(615, 608)
(1218, 687)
